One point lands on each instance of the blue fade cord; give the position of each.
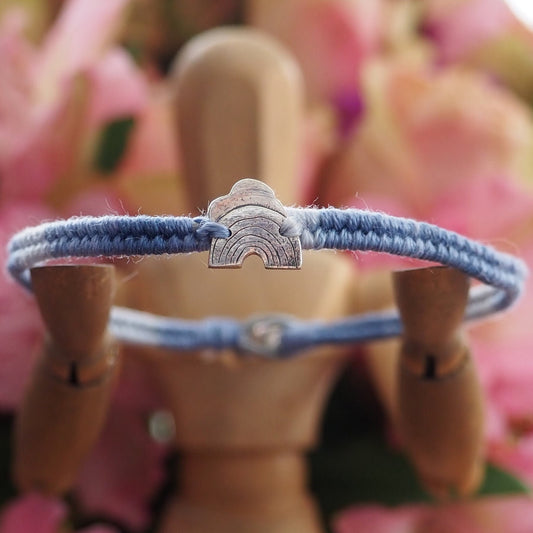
(502, 275)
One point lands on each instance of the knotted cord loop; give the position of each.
(503, 275)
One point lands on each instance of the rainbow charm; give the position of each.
(254, 217)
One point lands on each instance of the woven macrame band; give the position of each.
(502, 275)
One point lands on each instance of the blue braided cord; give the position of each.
(138, 327)
(364, 328)
(331, 228)
(108, 236)
(141, 328)
(353, 229)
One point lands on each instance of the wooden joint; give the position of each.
(434, 362)
(79, 372)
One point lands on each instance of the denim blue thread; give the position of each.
(351, 229)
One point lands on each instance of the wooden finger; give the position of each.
(238, 102)
(65, 405)
(440, 412)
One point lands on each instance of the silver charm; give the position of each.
(254, 216)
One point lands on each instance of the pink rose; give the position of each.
(486, 515)
(39, 514)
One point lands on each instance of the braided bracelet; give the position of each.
(251, 221)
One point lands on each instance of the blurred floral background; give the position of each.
(417, 108)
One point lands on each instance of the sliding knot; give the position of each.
(208, 229)
(291, 227)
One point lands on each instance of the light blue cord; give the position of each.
(349, 229)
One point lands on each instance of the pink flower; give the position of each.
(462, 26)
(39, 514)
(15, 85)
(60, 93)
(83, 32)
(422, 141)
(487, 515)
(33, 513)
(448, 160)
(484, 35)
(331, 39)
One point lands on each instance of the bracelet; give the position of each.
(250, 220)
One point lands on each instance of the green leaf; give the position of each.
(499, 481)
(367, 470)
(363, 470)
(112, 144)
